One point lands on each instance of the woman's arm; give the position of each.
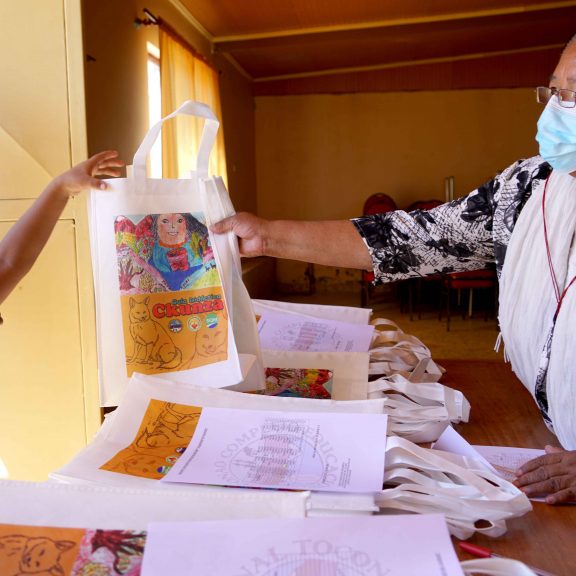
(330, 242)
(21, 246)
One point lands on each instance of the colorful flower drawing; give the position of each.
(298, 382)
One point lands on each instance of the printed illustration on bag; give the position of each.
(165, 432)
(173, 311)
(298, 382)
(50, 551)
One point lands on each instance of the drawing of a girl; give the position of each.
(177, 251)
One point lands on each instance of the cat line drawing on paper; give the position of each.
(152, 343)
(21, 555)
(54, 551)
(164, 433)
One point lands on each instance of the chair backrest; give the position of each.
(424, 205)
(378, 203)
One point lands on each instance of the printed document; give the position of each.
(308, 334)
(339, 546)
(297, 450)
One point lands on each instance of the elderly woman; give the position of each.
(524, 221)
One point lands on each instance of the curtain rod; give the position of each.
(152, 20)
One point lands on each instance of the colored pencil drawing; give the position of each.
(164, 433)
(173, 311)
(110, 553)
(164, 253)
(298, 382)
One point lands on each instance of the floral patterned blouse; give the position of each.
(469, 233)
(466, 234)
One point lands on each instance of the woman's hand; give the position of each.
(553, 474)
(248, 228)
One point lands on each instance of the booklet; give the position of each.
(347, 546)
(290, 332)
(300, 450)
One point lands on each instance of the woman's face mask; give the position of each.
(557, 136)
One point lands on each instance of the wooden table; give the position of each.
(504, 414)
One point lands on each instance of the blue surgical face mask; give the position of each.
(557, 136)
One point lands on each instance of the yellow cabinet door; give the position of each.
(48, 391)
(42, 419)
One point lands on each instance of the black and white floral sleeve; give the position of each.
(466, 234)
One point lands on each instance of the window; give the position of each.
(154, 108)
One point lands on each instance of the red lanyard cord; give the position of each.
(559, 295)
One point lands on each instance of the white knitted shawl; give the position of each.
(528, 301)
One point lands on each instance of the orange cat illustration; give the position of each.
(152, 343)
(20, 555)
(211, 346)
(174, 426)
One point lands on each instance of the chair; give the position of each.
(477, 279)
(375, 204)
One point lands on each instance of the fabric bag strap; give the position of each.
(188, 108)
(460, 488)
(496, 567)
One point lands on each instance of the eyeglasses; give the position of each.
(566, 98)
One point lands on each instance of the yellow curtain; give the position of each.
(184, 76)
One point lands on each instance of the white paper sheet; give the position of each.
(371, 546)
(506, 459)
(289, 332)
(351, 314)
(326, 452)
(501, 460)
(451, 441)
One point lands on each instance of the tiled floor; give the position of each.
(469, 338)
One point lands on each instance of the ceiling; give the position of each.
(307, 46)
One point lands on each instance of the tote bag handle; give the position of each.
(189, 108)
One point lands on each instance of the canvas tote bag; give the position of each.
(169, 295)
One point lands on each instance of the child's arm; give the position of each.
(21, 246)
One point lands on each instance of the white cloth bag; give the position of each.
(169, 295)
(117, 508)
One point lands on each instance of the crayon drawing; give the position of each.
(298, 382)
(110, 553)
(164, 253)
(171, 294)
(165, 432)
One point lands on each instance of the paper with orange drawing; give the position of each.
(52, 551)
(36, 549)
(173, 311)
(163, 333)
(163, 435)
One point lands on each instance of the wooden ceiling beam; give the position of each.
(264, 39)
(406, 63)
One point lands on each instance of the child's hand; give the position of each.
(82, 176)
